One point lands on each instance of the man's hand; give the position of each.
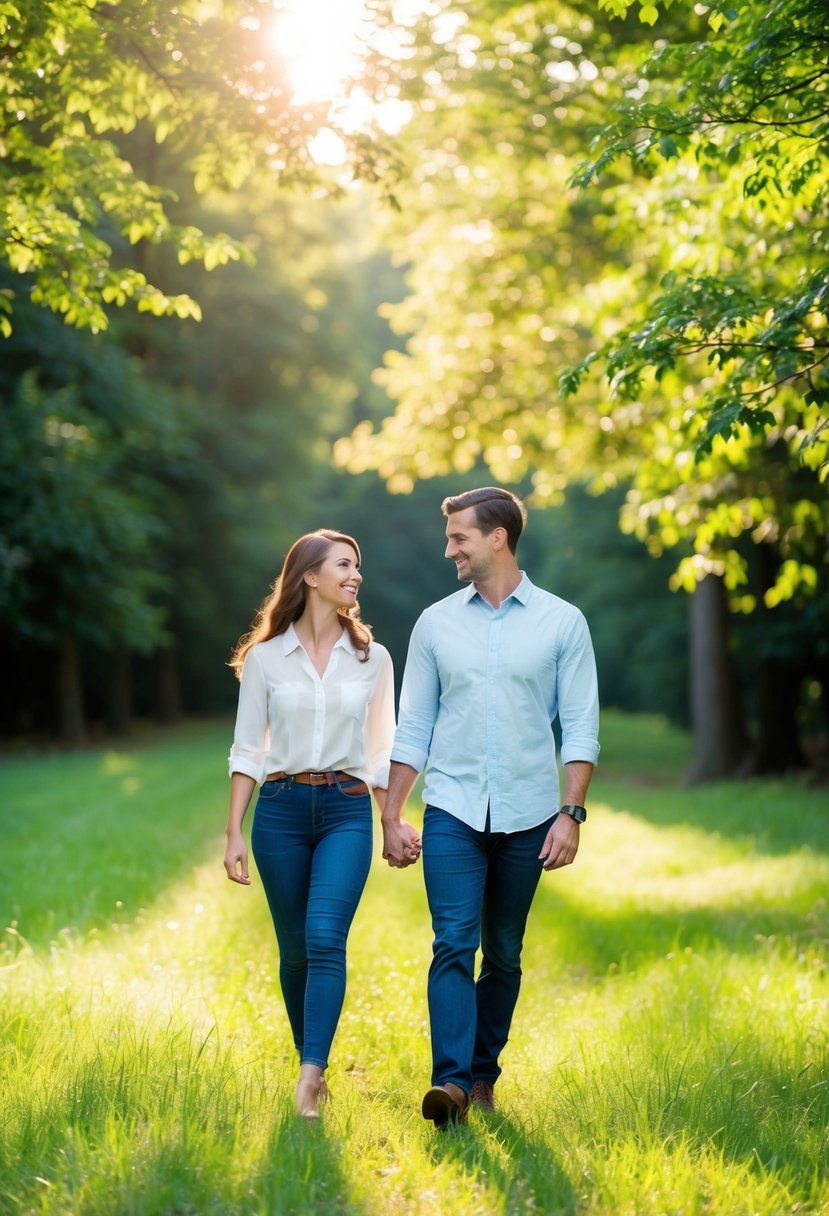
(401, 844)
(561, 843)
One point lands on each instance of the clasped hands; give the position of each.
(401, 844)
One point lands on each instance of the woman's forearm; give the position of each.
(241, 791)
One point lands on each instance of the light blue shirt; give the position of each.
(480, 691)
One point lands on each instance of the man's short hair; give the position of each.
(494, 508)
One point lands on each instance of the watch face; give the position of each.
(575, 812)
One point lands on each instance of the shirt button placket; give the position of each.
(492, 714)
(319, 722)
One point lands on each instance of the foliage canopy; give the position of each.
(88, 85)
(619, 270)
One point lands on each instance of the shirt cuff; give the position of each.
(380, 778)
(586, 750)
(415, 757)
(240, 764)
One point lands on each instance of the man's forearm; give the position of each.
(401, 782)
(577, 774)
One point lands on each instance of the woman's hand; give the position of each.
(401, 844)
(236, 859)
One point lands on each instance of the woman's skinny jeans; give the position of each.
(312, 845)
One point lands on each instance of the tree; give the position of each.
(81, 510)
(691, 274)
(77, 82)
(212, 442)
(130, 130)
(744, 140)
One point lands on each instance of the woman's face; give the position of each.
(337, 580)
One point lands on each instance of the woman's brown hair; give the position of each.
(286, 603)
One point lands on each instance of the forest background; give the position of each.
(587, 260)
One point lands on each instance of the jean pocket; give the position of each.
(352, 787)
(269, 790)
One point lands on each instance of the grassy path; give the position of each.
(670, 1052)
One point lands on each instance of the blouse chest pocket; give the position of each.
(353, 698)
(286, 698)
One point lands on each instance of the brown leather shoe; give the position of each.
(483, 1095)
(445, 1104)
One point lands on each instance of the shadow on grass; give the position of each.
(93, 838)
(303, 1170)
(771, 817)
(626, 940)
(747, 1108)
(498, 1153)
(108, 1153)
(744, 1106)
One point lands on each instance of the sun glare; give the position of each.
(318, 40)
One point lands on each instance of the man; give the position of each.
(488, 670)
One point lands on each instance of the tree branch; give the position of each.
(111, 15)
(805, 371)
(697, 347)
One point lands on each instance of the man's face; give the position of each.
(467, 547)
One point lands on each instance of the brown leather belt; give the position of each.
(327, 778)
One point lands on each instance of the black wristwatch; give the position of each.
(575, 812)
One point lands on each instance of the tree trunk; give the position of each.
(719, 738)
(777, 747)
(71, 720)
(119, 716)
(169, 686)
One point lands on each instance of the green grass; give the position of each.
(670, 1052)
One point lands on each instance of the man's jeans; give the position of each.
(312, 845)
(480, 886)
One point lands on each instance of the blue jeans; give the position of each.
(480, 886)
(312, 845)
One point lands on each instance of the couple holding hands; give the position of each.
(488, 670)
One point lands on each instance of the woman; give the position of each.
(314, 728)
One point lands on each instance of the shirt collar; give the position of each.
(346, 643)
(291, 642)
(521, 593)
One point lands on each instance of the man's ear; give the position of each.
(499, 539)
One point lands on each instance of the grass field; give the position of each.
(670, 1052)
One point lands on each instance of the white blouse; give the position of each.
(290, 719)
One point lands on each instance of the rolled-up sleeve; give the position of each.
(250, 738)
(380, 725)
(419, 701)
(578, 696)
